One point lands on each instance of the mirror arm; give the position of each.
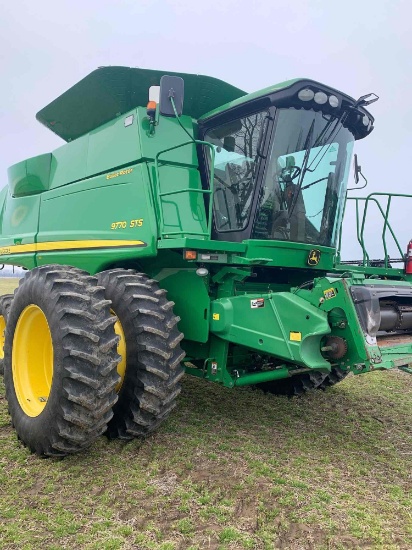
(177, 115)
(359, 188)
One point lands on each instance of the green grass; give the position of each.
(230, 469)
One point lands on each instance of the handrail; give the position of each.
(185, 190)
(386, 226)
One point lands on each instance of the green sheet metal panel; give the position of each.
(116, 144)
(19, 219)
(69, 163)
(192, 301)
(103, 149)
(270, 327)
(287, 253)
(117, 210)
(18, 226)
(30, 176)
(109, 92)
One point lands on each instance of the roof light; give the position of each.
(320, 98)
(333, 101)
(306, 94)
(365, 120)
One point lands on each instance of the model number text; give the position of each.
(124, 224)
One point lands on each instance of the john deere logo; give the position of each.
(314, 257)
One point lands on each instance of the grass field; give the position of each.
(230, 469)
(8, 284)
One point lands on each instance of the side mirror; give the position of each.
(171, 87)
(357, 169)
(357, 172)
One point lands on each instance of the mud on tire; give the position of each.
(81, 392)
(5, 303)
(153, 354)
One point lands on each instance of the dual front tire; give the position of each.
(151, 353)
(65, 382)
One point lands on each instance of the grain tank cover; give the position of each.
(109, 92)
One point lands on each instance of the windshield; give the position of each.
(304, 188)
(236, 145)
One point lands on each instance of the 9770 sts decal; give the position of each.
(125, 224)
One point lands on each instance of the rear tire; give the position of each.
(295, 385)
(5, 303)
(60, 360)
(335, 376)
(152, 351)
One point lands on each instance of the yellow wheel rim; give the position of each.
(32, 362)
(2, 335)
(121, 350)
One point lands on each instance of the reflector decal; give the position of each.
(329, 293)
(54, 246)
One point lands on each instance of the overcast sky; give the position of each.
(357, 46)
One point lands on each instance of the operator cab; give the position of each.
(282, 162)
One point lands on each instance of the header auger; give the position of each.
(201, 234)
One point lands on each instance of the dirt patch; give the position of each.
(300, 537)
(166, 484)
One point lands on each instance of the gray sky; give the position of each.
(357, 46)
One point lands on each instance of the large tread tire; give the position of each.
(335, 376)
(83, 356)
(295, 386)
(153, 354)
(5, 303)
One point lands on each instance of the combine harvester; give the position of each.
(199, 232)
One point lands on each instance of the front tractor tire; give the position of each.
(60, 360)
(150, 366)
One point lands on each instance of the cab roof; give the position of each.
(109, 92)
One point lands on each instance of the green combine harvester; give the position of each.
(198, 232)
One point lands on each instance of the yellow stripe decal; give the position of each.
(67, 245)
